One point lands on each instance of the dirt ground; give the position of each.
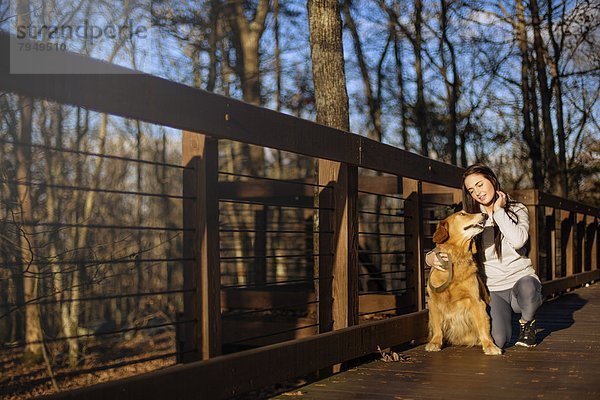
(102, 361)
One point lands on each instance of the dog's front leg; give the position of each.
(482, 320)
(436, 334)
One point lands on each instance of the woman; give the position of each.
(510, 277)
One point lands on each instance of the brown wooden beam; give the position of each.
(414, 242)
(257, 189)
(202, 335)
(534, 228)
(338, 265)
(300, 191)
(379, 184)
(591, 243)
(561, 284)
(230, 375)
(568, 238)
(535, 197)
(266, 299)
(156, 100)
(381, 157)
(529, 197)
(550, 229)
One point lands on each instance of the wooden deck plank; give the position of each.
(564, 365)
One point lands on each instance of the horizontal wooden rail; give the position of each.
(559, 285)
(534, 197)
(144, 97)
(230, 375)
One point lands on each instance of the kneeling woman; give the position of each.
(510, 276)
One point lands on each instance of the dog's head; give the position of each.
(459, 227)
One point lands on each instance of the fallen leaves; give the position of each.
(392, 356)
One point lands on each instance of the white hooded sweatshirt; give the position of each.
(502, 273)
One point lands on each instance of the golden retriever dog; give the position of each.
(457, 312)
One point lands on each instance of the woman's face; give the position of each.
(480, 188)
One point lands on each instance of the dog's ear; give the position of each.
(441, 233)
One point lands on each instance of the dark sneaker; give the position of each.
(527, 334)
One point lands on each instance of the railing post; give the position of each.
(530, 199)
(579, 243)
(260, 245)
(534, 239)
(338, 274)
(589, 241)
(592, 238)
(550, 231)
(413, 226)
(596, 245)
(568, 241)
(201, 339)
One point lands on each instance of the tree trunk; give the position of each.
(560, 124)
(70, 310)
(532, 140)
(277, 56)
(166, 210)
(141, 281)
(451, 87)
(9, 252)
(546, 98)
(215, 6)
(54, 169)
(400, 83)
(246, 41)
(415, 38)
(82, 241)
(33, 327)
(420, 107)
(327, 54)
(373, 102)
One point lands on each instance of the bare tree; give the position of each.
(401, 86)
(246, 41)
(214, 36)
(33, 327)
(373, 98)
(556, 84)
(546, 100)
(529, 133)
(414, 34)
(328, 63)
(452, 84)
(420, 107)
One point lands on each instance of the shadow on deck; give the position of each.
(564, 365)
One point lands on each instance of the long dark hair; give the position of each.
(470, 205)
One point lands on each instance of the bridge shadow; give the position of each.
(554, 315)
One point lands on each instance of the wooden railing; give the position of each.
(350, 166)
(565, 242)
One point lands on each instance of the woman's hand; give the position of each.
(500, 201)
(434, 262)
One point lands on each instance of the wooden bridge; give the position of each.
(564, 365)
(363, 225)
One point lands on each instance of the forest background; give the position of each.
(514, 84)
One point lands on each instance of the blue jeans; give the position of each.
(524, 298)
